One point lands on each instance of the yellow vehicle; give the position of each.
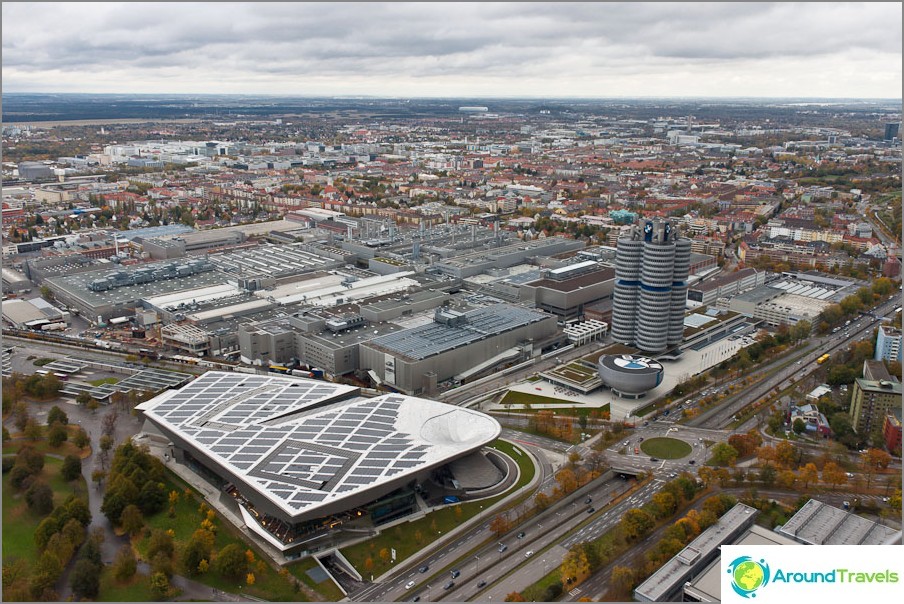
(822, 359)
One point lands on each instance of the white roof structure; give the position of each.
(307, 444)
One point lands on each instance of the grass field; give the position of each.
(403, 537)
(537, 591)
(42, 446)
(666, 448)
(102, 381)
(135, 589)
(327, 588)
(525, 398)
(19, 523)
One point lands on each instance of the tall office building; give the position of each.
(651, 270)
(891, 131)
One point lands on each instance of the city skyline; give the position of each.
(495, 50)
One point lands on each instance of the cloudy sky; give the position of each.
(850, 50)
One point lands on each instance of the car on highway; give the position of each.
(590, 510)
(449, 585)
(529, 553)
(416, 599)
(521, 535)
(502, 547)
(423, 569)
(653, 459)
(409, 585)
(640, 440)
(692, 462)
(481, 584)
(456, 573)
(588, 500)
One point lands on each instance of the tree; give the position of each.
(808, 474)
(385, 555)
(724, 454)
(85, 578)
(106, 443)
(57, 415)
(833, 474)
(799, 426)
(131, 520)
(567, 480)
(33, 430)
(125, 565)
(39, 498)
(872, 460)
(203, 567)
(160, 585)
(665, 504)
(786, 454)
(575, 566)
(514, 597)
(72, 467)
(97, 476)
(541, 501)
(768, 475)
(108, 423)
(199, 548)
(786, 479)
(636, 523)
(368, 564)
(231, 561)
(249, 579)
(622, 578)
(81, 439)
(500, 525)
(160, 542)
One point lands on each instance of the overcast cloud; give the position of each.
(452, 49)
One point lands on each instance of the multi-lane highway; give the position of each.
(722, 416)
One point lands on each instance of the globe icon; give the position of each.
(748, 575)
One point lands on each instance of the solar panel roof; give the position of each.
(304, 442)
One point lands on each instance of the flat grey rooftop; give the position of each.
(434, 338)
(818, 523)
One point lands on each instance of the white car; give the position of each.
(409, 585)
(529, 553)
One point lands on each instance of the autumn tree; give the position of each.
(786, 479)
(500, 525)
(385, 555)
(833, 474)
(724, 454)
(567, 480)
(808, 474)
(575, 565)
(636, 523)
(514, 597)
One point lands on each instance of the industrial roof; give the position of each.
(818, 523)
(304, 443)
(434, 338)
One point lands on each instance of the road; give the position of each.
(722, 416)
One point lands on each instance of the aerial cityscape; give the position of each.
(456, 302)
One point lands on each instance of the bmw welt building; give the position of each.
(301, 456)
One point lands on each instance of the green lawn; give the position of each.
(135, 589)
(403, 537)
(525, 398)
(42, 446)
(327, 588)
(537, 591)
(666, 448)
(19, 523)
(102, 381)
